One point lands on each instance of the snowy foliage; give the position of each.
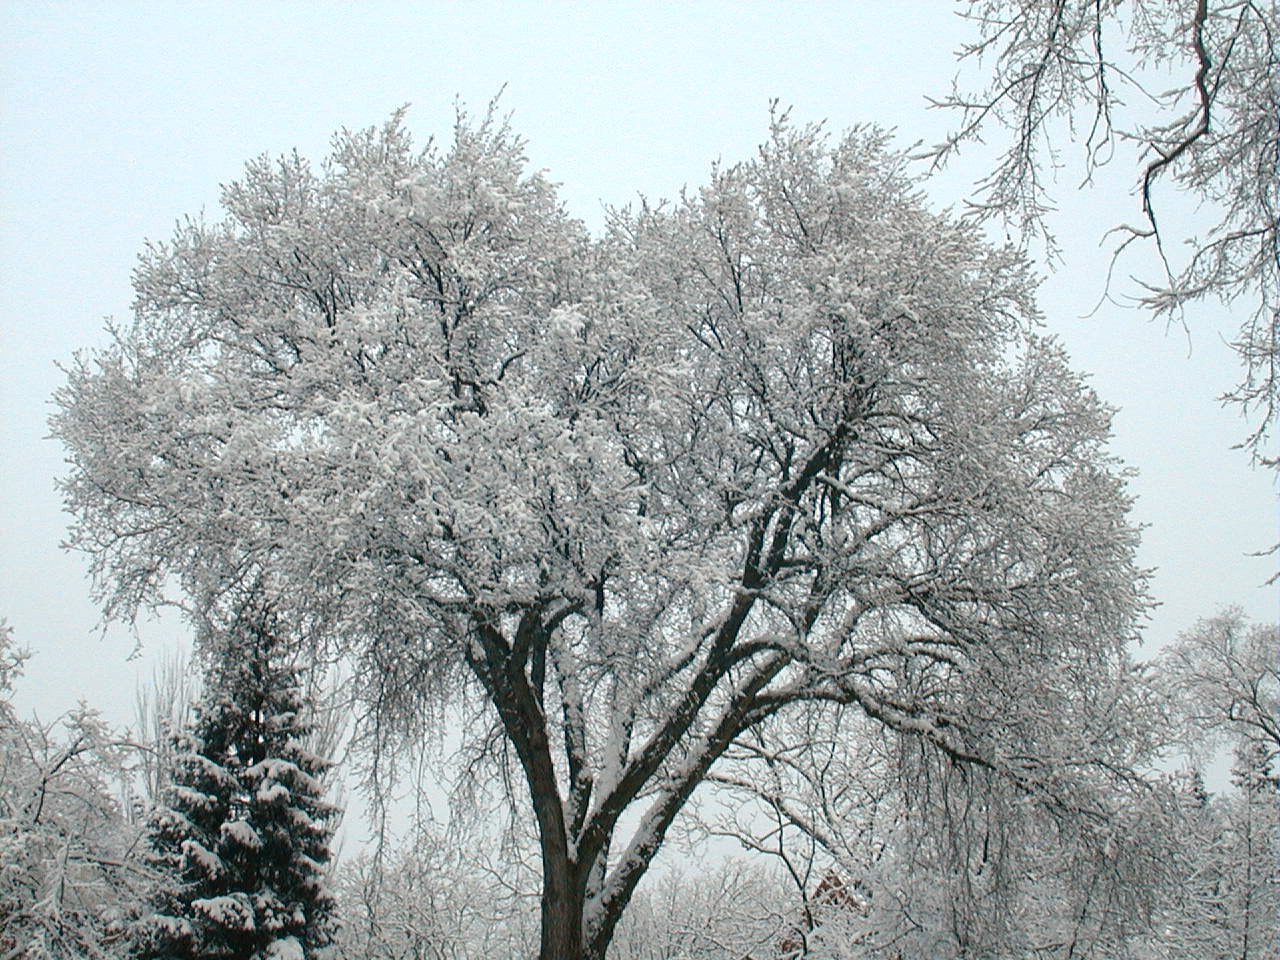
(67, 883)
(719, 911)
(287, 948)
(795, 439)
(1224, 676)
(1223, 679)
(242, 845)
(921, 856)
(1186, 91)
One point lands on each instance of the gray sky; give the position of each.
(117, 118)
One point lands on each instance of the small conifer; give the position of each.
(242, 844)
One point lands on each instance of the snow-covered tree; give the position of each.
(434, 898)
(1250, 867)
(1224, 678)
(726, 909)
(794, 439)
(161, 709)
(67, 881)
(242, 845)
(1180, 93)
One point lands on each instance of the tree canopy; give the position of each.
(791, 439)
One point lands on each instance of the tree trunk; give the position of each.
(562, 912)
(501, 670)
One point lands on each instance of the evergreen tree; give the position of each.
(243, 841)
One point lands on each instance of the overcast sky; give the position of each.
(117, 118)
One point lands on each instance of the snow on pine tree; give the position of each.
(242, 844)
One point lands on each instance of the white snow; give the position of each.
(232, 912)
(238, 831)
(271, 791)
(286, 949)
(172, 926)
(207, 859)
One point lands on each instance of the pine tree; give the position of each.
(242, 844)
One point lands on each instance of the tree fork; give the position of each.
(500, 671)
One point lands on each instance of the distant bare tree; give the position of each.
(1224, 676)
(161, 709)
